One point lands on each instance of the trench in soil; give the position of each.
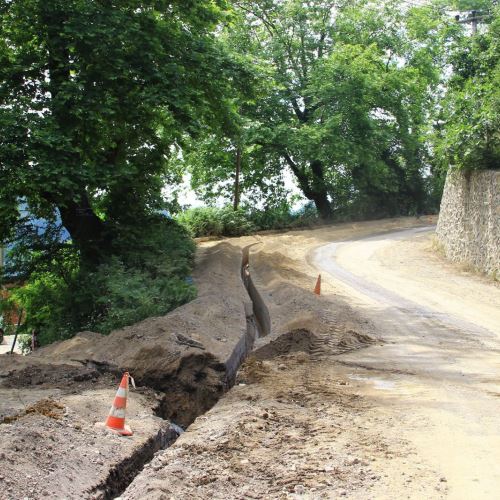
(191, 390)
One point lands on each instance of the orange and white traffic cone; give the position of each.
(317, 288)
(116, 418)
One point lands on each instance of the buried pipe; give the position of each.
(258, 324)
(260, 310)
(258, 321)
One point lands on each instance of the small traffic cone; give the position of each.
(116, 418)
(317, 288)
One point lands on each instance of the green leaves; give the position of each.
(94, 98)
(350, 86)
(467, 136)
(93, 95)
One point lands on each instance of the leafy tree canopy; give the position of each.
(468, 130)
(93, 96)
(344, 94)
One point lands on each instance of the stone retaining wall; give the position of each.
(469, 219)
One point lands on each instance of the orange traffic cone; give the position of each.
(116, 418)
(317, 288)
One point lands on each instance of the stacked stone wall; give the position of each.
(469, 219)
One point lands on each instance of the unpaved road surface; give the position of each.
(438, 371)
(385, 386)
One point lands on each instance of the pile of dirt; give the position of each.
(46, 407)
(290, 428)
(53, 449)
(44, 375)
(181, 356)
(330, 323)
(296, 340)
(213, 322)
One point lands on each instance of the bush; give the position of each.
(235, 222)
(201, 221)
(279, 217)
(127, 296)
(147, 278)
(210, 221)
(282, 217)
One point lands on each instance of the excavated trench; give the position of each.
(191, 389)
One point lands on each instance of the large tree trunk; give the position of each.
(322, 204)
(319, 191)
(313, 187)
(87, 231)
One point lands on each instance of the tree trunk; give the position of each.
(322, 204)
(87, 231)
(313, 187)
(319, 191)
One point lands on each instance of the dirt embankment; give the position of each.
(290, 428)
(51, 448)
(182, 354)
(180, 357)
(183, 357)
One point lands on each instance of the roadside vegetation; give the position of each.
(213, 221)
(363, 106)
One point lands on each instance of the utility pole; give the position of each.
(474, 17)
(237, 178)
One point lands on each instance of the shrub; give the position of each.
(201, 221)
(282, 217)
(147, 278)
(235, 222)
(211, 221)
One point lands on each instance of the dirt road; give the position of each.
(438, 370)
(386, 386)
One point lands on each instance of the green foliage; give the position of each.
(148, 280)
(281, 216)
(210, 221)
(211, 161)
(348, 89)
(467, 135)
(94, 97)
(469, 5)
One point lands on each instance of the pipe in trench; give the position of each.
(258, 324)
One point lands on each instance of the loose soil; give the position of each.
(291, 428)
(370, 390)
(178, 362)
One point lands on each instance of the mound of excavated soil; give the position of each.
(291, 428)
(52, 449)
(324, 324)
(51, 399)
(182, 354)
(296, 340)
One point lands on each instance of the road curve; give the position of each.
(436, 371)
